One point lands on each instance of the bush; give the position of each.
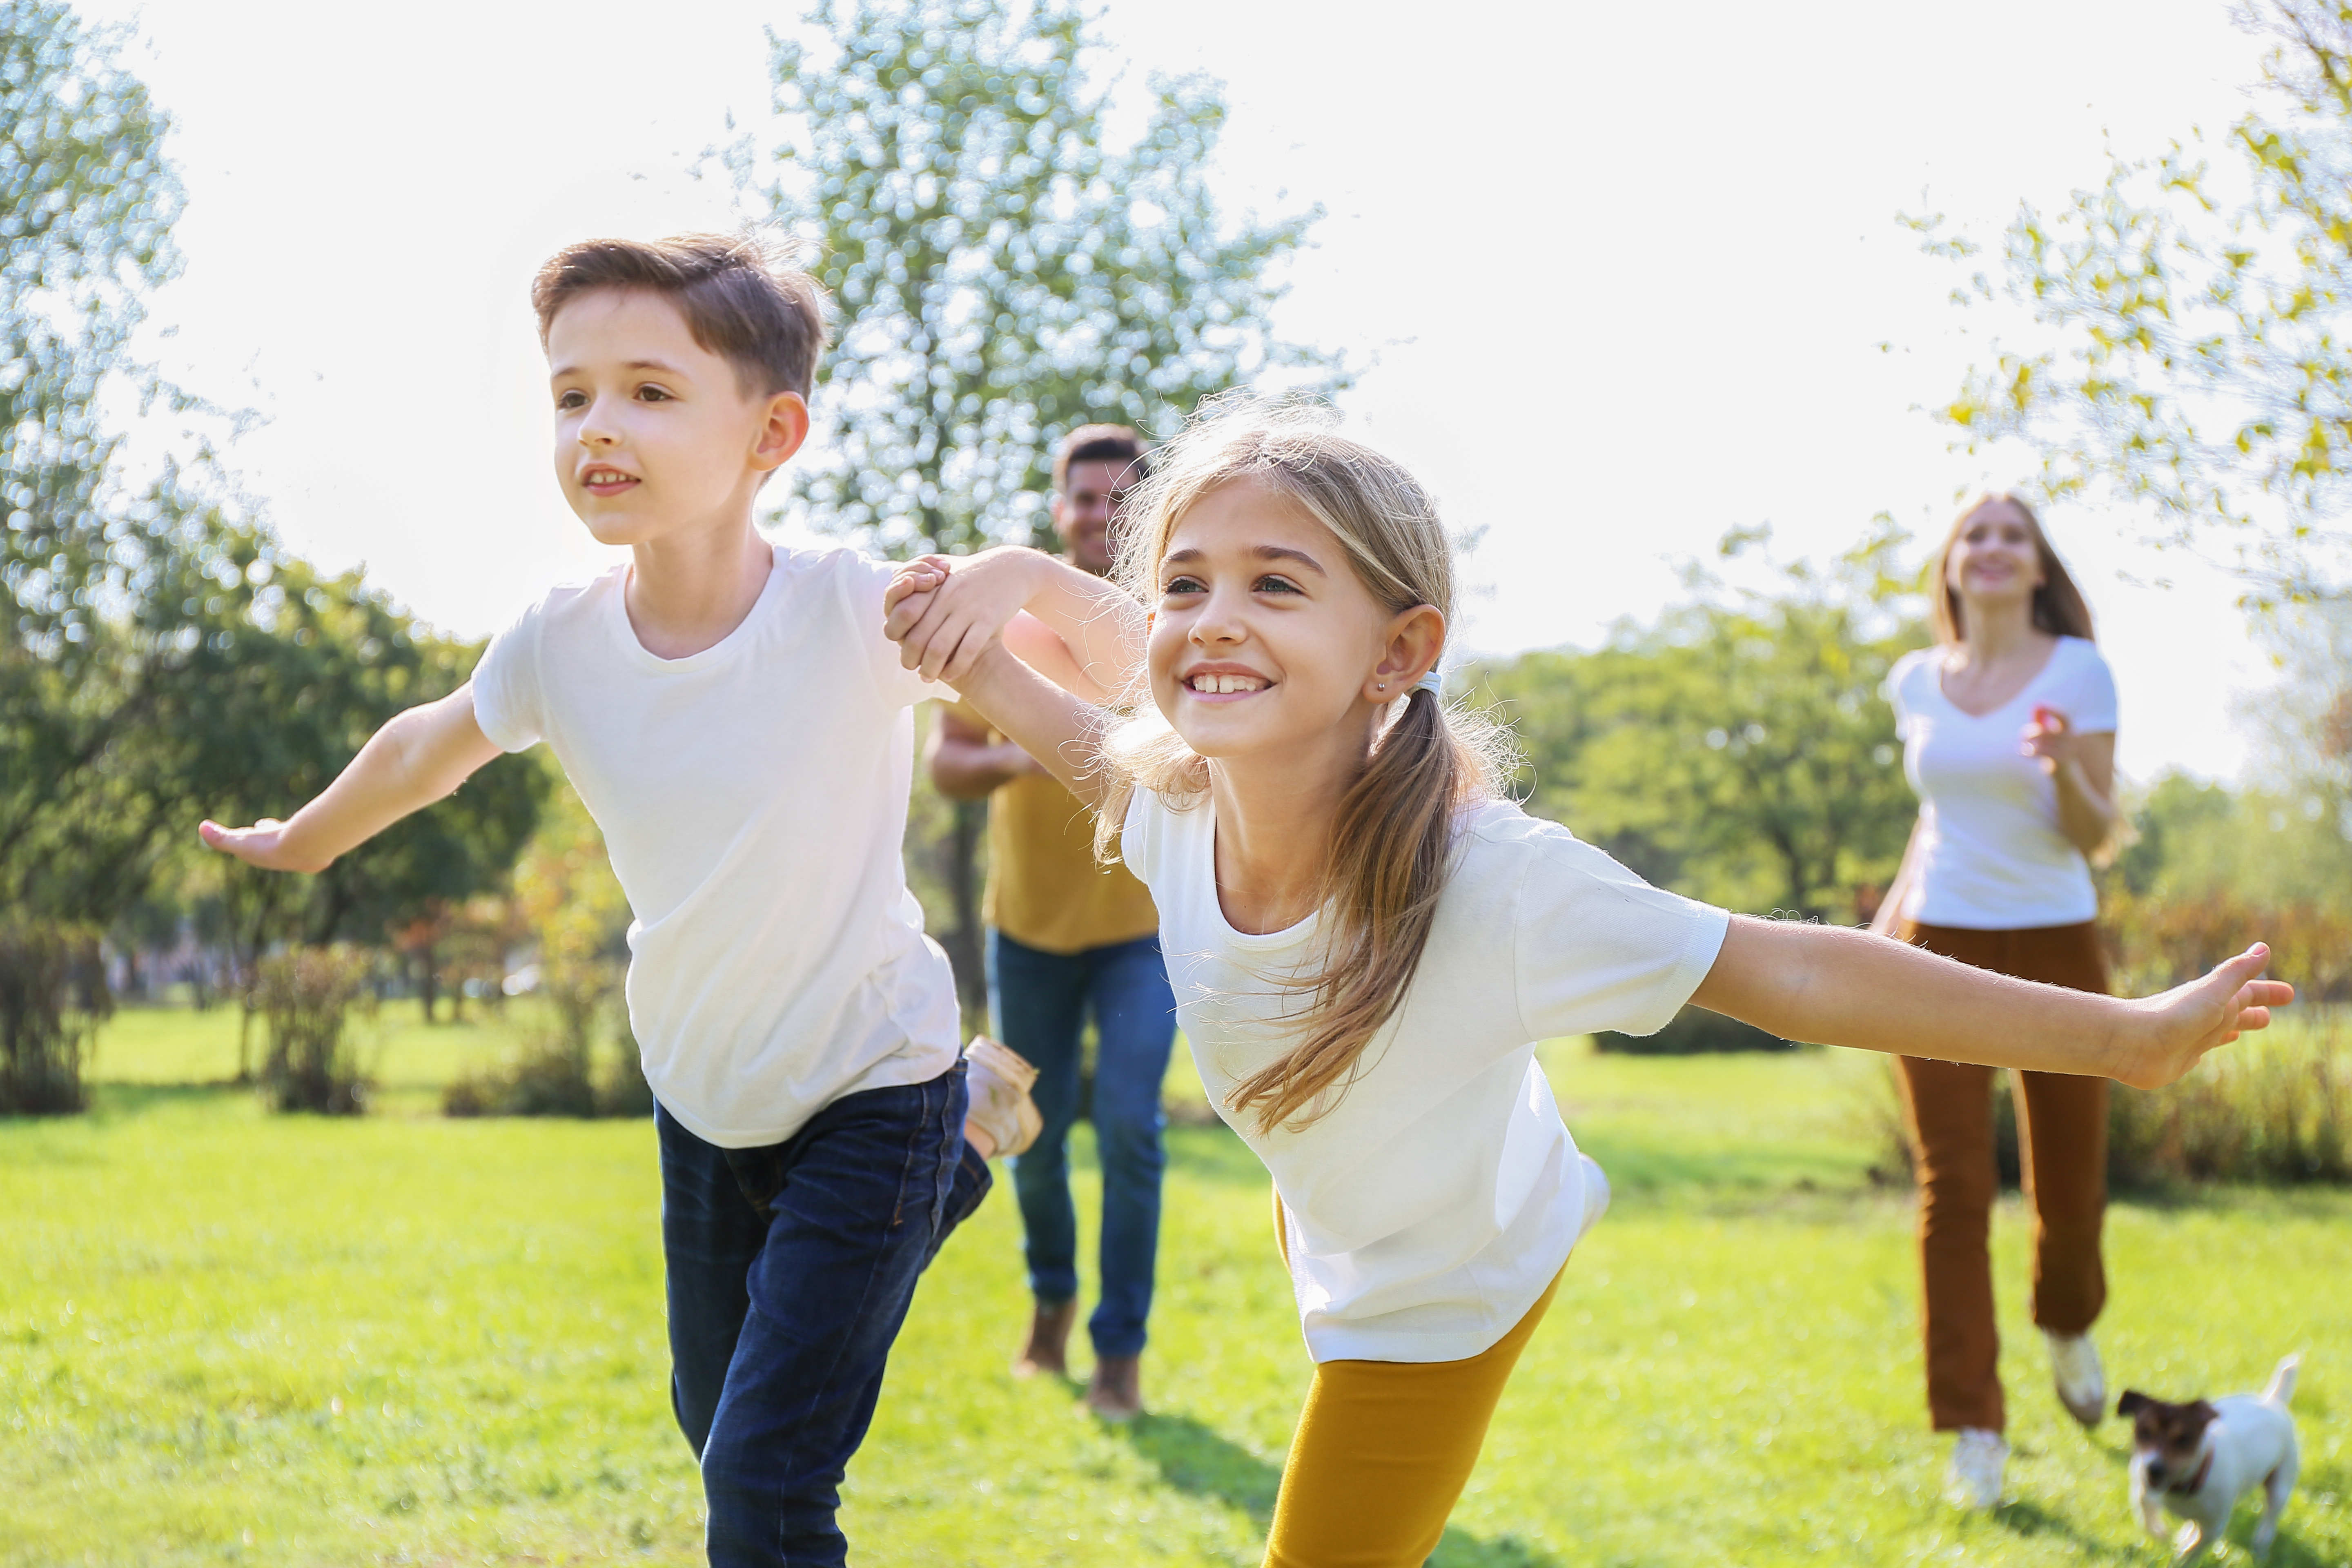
(555, 1076)
(2273, 1109)
(52, 995)
(305, 997)
(1693, 1031)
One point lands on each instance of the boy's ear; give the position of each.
(783, 427)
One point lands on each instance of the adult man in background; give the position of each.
(1068, 937)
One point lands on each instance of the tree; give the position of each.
(1003, 276)
(2196, 356)
(1738, 750)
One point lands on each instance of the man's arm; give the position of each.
(965, 764)
(1840, 987)
(1061, 732)
(970, 600)
(418, 757)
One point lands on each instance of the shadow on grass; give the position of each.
(2031, 1519)
(1196, 1460)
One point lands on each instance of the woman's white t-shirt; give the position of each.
(1990, 855)
(1429, 1207)
(753, 798)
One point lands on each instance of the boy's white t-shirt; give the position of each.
(1991, 855)
(753, 798)
(1429, 1207)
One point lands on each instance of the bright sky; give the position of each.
(1623, 277)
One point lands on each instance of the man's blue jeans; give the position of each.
(791, 1267)
(1040, 1001)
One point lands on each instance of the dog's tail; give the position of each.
(2282, 1388)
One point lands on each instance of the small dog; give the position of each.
(2198, 1459)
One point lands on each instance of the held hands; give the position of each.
(264, 844)
(2184, 1022)
(945, 614)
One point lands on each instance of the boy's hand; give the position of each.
(944, 616)
(263, 845)
(2190, 1020)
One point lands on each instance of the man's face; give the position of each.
(654, 434)
(1086, 509)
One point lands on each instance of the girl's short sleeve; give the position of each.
(1598, 948)
(507, 697)
(1138, 835)
(2093, 692)
(1906, 672)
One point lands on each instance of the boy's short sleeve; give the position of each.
(1598, 948)
(507, 698)
(2094, 695)
(864, 581)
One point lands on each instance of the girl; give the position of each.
(1366, 941)
(2009, 733)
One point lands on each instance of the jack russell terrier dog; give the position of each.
(2198, 1459)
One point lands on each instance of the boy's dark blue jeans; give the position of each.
(791, 1267)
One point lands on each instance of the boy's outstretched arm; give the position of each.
(415, 759)
(1831, 986)
(946, 611)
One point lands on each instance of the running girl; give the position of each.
(1366, 940)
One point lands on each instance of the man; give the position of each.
(1067, 938)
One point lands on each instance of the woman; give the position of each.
(2009, 733)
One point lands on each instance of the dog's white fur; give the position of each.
(2253, 1444)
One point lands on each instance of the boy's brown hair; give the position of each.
(740, 299)
(1100, 444)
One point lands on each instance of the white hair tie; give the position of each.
(1433, 682)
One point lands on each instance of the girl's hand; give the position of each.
(944, 619)
(2190, 1020)
(2049, 738)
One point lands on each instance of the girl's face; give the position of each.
(1263, 637)
(1993, 558)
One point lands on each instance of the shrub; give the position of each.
(305, 997)
(52, 995)
(555, 1076)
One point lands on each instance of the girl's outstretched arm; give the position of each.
(965, 604)
(1832, 986)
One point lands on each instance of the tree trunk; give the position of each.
(428, 979)
(963, 943)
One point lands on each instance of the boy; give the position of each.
(741, 730)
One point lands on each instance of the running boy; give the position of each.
(735, 721)
(1366, 941)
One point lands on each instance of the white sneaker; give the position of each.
(1596, 1194)
(1974, 1479)
(2081, 1382)
(1000, 1119)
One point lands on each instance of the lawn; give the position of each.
(232, 1337)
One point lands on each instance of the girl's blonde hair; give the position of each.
(2059, 608)
(1393, 843)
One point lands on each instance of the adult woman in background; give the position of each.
(2009, 732)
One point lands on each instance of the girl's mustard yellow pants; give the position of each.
(1382, 1451)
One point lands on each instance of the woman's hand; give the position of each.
(2050, 737)
(2188, 1021)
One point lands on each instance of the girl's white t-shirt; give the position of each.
(1990, 855)
(753, 799)
(1431, 1205)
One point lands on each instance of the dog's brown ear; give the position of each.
(2199, 1416)
(2132, 1400)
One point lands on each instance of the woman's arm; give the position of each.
(1840, 987)
(415, 759)
(2083, 767)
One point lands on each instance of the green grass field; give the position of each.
(231, 1337)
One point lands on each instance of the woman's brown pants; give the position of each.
(2062, 1127)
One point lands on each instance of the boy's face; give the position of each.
(654, 434)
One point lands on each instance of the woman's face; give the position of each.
(1993, 559)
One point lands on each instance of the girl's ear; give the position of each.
(1414, 639)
